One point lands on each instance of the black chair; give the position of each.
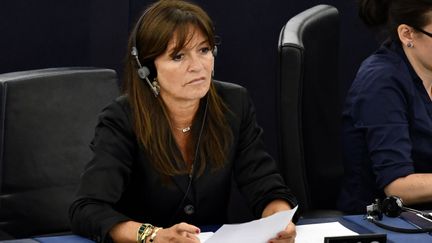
(309, 107)
(47, 121)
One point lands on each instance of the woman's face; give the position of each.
(186, 75)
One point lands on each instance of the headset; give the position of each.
(144, 71)
(193, 168)
(392, 206)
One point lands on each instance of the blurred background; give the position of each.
(52, 33)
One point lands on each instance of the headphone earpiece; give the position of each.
(392, 206)
(143, 72)
(215, 51)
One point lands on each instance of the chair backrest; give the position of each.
(309, 107)
(47, 122)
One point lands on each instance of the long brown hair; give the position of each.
(150, 119)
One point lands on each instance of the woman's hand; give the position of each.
(182, 233)
(289, 234)
(286, 236)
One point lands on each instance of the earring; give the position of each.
(156, 85)
(410, 44)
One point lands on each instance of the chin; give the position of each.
(200, 93)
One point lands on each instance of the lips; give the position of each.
(194, 81)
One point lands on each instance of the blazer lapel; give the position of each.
(182, 182)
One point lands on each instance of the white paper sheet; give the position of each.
(257, 231)
(203, 236)
(312, 233)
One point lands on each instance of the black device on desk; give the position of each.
(392, 206)
(363, 238)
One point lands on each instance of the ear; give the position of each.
(406, 34)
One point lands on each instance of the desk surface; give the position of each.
(392, 236)
(356, 223)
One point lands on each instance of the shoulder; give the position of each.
(232, 94)
(228, 88)
(383, 68)
(237, 99)
(118, 111)
(382, 90)
(118, 105)
(383, 75)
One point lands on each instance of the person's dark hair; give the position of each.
(151, 123)
(392, 13)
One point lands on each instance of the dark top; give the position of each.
(387, 127)
(120, 183)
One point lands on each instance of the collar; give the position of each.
(397, 48)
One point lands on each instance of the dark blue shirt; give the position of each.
(387, 127)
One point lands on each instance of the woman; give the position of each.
(165, 151)
(387, 121)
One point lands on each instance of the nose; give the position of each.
(196, 63)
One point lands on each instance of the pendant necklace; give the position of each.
(185, 129)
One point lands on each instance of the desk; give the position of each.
(360, 225)
(391, 236)
(52, 239)
(63, 239)
(356, 223)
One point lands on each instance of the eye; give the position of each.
(205, 50)
(177, 57)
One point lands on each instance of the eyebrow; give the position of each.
(204, 41)
(171, 51)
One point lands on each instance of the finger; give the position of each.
(288, 240)
(290, 229)
(288, 235)
(193, 237)
(190, 238)
(187, 228)
(281, 235)
(282, 238)
(285, 235)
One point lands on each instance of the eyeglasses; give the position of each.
(423, 31)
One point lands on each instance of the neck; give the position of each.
(182, 114)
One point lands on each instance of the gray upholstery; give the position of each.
(309, 107)
(47, 121)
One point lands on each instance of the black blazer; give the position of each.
(120, 184)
